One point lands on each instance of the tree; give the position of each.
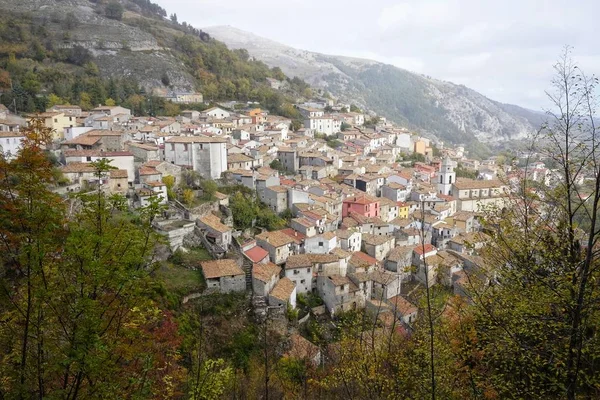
(85, 101)
(354, 108)
(109, 102)
(188, 197)
(78, 316)
(278, 74)
(5, 80)
(169, 182)
(296, 124)
(54, 100)
(243, 210)
(173, 18)
(209, 188)
(114, 10)
(536, 307)
(345, 126)
(277, 165)
(91, 69)
(70, 22)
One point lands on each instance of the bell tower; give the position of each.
(446, 176)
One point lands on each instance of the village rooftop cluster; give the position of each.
(373, 211)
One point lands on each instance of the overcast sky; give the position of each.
(504, 49)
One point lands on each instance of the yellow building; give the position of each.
(403, 210)
(58, 121)
(420, 147)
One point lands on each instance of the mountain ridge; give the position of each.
(439, 108)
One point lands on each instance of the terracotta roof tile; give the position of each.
(264, 272)
(220, 268)
(283, 289)
(256, 254)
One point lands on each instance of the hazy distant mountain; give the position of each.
(451, 112)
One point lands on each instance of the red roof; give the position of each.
(286, 182)
(297, 236)
(365, 257)
(363, 199)
(445, 197)
(256, 254)
(428, 249)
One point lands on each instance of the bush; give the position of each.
(114, 10)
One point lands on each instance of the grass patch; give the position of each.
(180, 280)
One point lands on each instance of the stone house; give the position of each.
(239, 161)
(276, 197)
(385, 285)
(302, 349)
(349, 239)
(299, 269)
(388, 209)
(364, 283)
(283, 294)
(277, 243)
(96, 139)
(144, 152)
(223, 276)
(425, 255)
(378, 246)
(467, 243)
(340, 294)
(264, 278)
(289, 158)
(405, 311)
(304, 226)
(117, 181)
(320, 244)
(394, 191)
(119, 159)
(399, 260)
(361, 262)
(215, 230)
(257, 255)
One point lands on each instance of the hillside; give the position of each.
(86, 52)
(449, 111)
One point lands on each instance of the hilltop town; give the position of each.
(365, 212)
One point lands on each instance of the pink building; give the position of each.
(364, 205)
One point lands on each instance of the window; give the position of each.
(450, 182)
(88, 159)
(185, 147)
(296, 272)
(320, 244)
(303, 281)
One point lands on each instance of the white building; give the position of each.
(205, 155)
(325, 124)
(119, 159)
(321, 244)
(217, 112)
(10, 143)
(446, 176)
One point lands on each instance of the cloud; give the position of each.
(422, 14)
(504, 49)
